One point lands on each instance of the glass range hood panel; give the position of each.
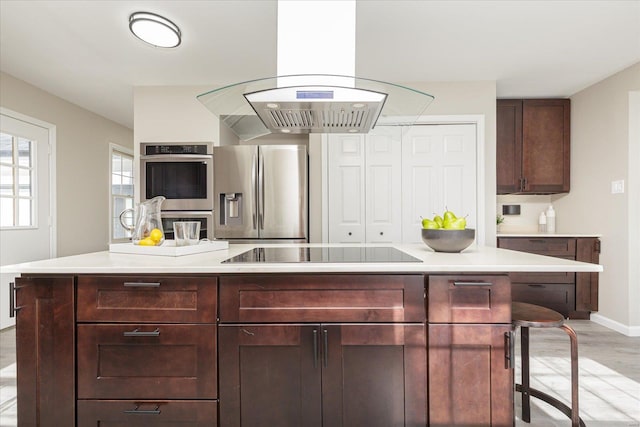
(402, 105)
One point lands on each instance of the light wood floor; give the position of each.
(609, 376)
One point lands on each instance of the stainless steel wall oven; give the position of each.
(182, 172)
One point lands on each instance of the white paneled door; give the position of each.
(25, 198)
(380, 184)
(382, 189)
(438, 173)
(346, 175)
(364, 187)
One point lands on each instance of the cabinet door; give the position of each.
(469, 382)
(45, 342)
(270, 375)
(374, 375)
(383, 185)
(508, 145)
(346, 172)
(587, 250)
(546, 145)
(438, 172)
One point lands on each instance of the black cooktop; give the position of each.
(332, 254)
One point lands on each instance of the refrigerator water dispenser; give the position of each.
(231, 208)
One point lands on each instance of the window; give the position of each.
(17, 178)
(121, 190)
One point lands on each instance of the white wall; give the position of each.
(82, 163)
(600, 153)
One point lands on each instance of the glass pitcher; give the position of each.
(147, 230)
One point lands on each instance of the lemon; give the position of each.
(147, 242)
(155, 235)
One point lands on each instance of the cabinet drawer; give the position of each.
(146, 299)
(141, 413)
(552, 246)
(469, 299)
(322, 298)
(146, 361)
(558, 297)
(548, 277)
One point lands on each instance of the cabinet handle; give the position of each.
(509, 348)
(142, 284)
(137, 333)
(537, 241)
(315, 348)
(456, 283)
(326, 347)
(349, 233)
(524, 184)
(535, 285)
(13, 289)
(138, 411)
(381, 233)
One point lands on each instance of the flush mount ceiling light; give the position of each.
(154, 29)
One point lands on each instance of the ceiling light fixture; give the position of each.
(154, 29)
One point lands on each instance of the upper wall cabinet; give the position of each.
(533, 146)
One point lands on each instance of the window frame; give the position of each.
(33, 181)
(116, 149)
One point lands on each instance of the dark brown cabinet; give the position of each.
(533, 146)
(287, 368)
(469, 351)
(323, 374)
(45, 351)
(146, 350)
(574, 295)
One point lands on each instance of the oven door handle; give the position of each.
(179, 157)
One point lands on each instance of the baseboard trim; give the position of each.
(630, 331)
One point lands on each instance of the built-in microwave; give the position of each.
(204, 217)
(181, 172)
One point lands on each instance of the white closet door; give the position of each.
(383, 185)
(346, 170)
(438, 172)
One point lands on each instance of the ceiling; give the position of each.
(82, 51)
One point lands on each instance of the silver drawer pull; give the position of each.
(142, 284)
(138, 411)
(472, 284)
(137, 333)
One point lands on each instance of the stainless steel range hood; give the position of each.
(313, 104)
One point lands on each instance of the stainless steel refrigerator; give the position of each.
(260, 192)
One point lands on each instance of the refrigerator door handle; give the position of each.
(254, 211)
(261, 191)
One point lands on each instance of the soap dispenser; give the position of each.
(542, 223)
(551, 220)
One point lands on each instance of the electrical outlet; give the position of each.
(617, 187)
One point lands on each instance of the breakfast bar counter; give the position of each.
(288, 335)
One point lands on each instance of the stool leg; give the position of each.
(524, 365)
(575, 415)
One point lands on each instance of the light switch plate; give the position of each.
(617, 187)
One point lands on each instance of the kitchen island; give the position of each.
(136, 340)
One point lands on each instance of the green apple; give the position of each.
(427, 223)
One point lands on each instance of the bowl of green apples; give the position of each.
(447, 233)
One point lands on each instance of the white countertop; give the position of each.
(472, 259)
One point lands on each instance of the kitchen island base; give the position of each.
(291, 350)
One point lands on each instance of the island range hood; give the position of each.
(313, 103)
(314, 91)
